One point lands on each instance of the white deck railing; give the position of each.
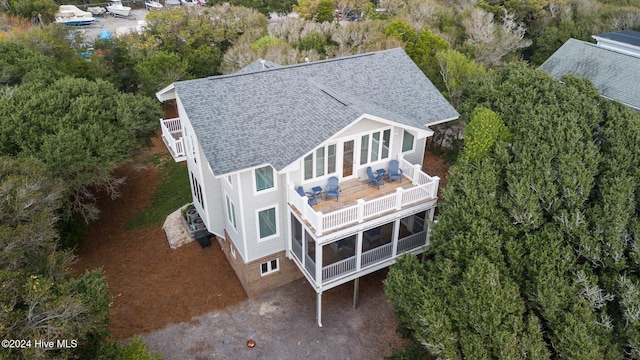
(377, 254)
(338, 268)
(369, 257)
(172, 137)
(426, 187)
(412, 242)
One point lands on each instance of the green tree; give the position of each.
(325, 11)
(30, 9)
(59, 43)
(484, 130)
(40, 299)
(199, 38)
(80, 129)
(422, 47)
(457, 71)
(546, 219)
(160, 70)
(16, 61)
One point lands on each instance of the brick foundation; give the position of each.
(249, 274)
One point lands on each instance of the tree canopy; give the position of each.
(80, 129)
(535, 250)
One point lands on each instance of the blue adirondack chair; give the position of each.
(374, 179)
(332, 189)
(394, 170)
(312, 197)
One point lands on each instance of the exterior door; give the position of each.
(347, 158)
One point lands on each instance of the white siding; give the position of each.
(253, 201)
(361, 127)
(232, 191)
(417, 155)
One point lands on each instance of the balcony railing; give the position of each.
(425, 188)
(172, 137)
(370, 257)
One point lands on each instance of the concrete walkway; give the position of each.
(283, 325)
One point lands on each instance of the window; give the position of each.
(331, 159)
(267, 224)
(197, 190)
(407, 141)
(320, 162)
(308, 167)
(375, 146)
(230, 180)
(364, 149)
(232, 250)
(231, 213)
(264, 178)
(269, 267)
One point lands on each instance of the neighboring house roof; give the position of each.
(615, 74)
(258, 65)
(630, 37)
(624, 41)
(277, 115)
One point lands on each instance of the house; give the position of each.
(612, 65)
(250, 139)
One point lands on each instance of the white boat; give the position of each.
(189, 2)
(71, 15)
(97, 10)
(116, 8)
(153, 5)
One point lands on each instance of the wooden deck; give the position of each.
(352, 190)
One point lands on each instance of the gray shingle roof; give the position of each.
(630, 37)
(277, 115)
(616, 75)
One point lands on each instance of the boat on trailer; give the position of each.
(71, 15)
(153, 5)
(116, 8)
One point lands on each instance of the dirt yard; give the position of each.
(154, 285)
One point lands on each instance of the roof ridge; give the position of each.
(285, 67)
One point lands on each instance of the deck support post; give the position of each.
(356, 292)
(319, 308)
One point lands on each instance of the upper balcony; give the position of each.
(360, 201)
(172, 137)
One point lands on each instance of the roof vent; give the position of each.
(262, 66)
(306, 60)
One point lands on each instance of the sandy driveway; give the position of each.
(282, 323)
(116, 25)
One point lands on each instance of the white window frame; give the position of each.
(369, 135)
(413, 144)
(266, 190)
(229, 179)
(270, 268)
(314, 163)
(232, 250)
(231, 213)
(277, 223)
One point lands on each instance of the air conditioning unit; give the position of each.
(192, 215)
(197, 224)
